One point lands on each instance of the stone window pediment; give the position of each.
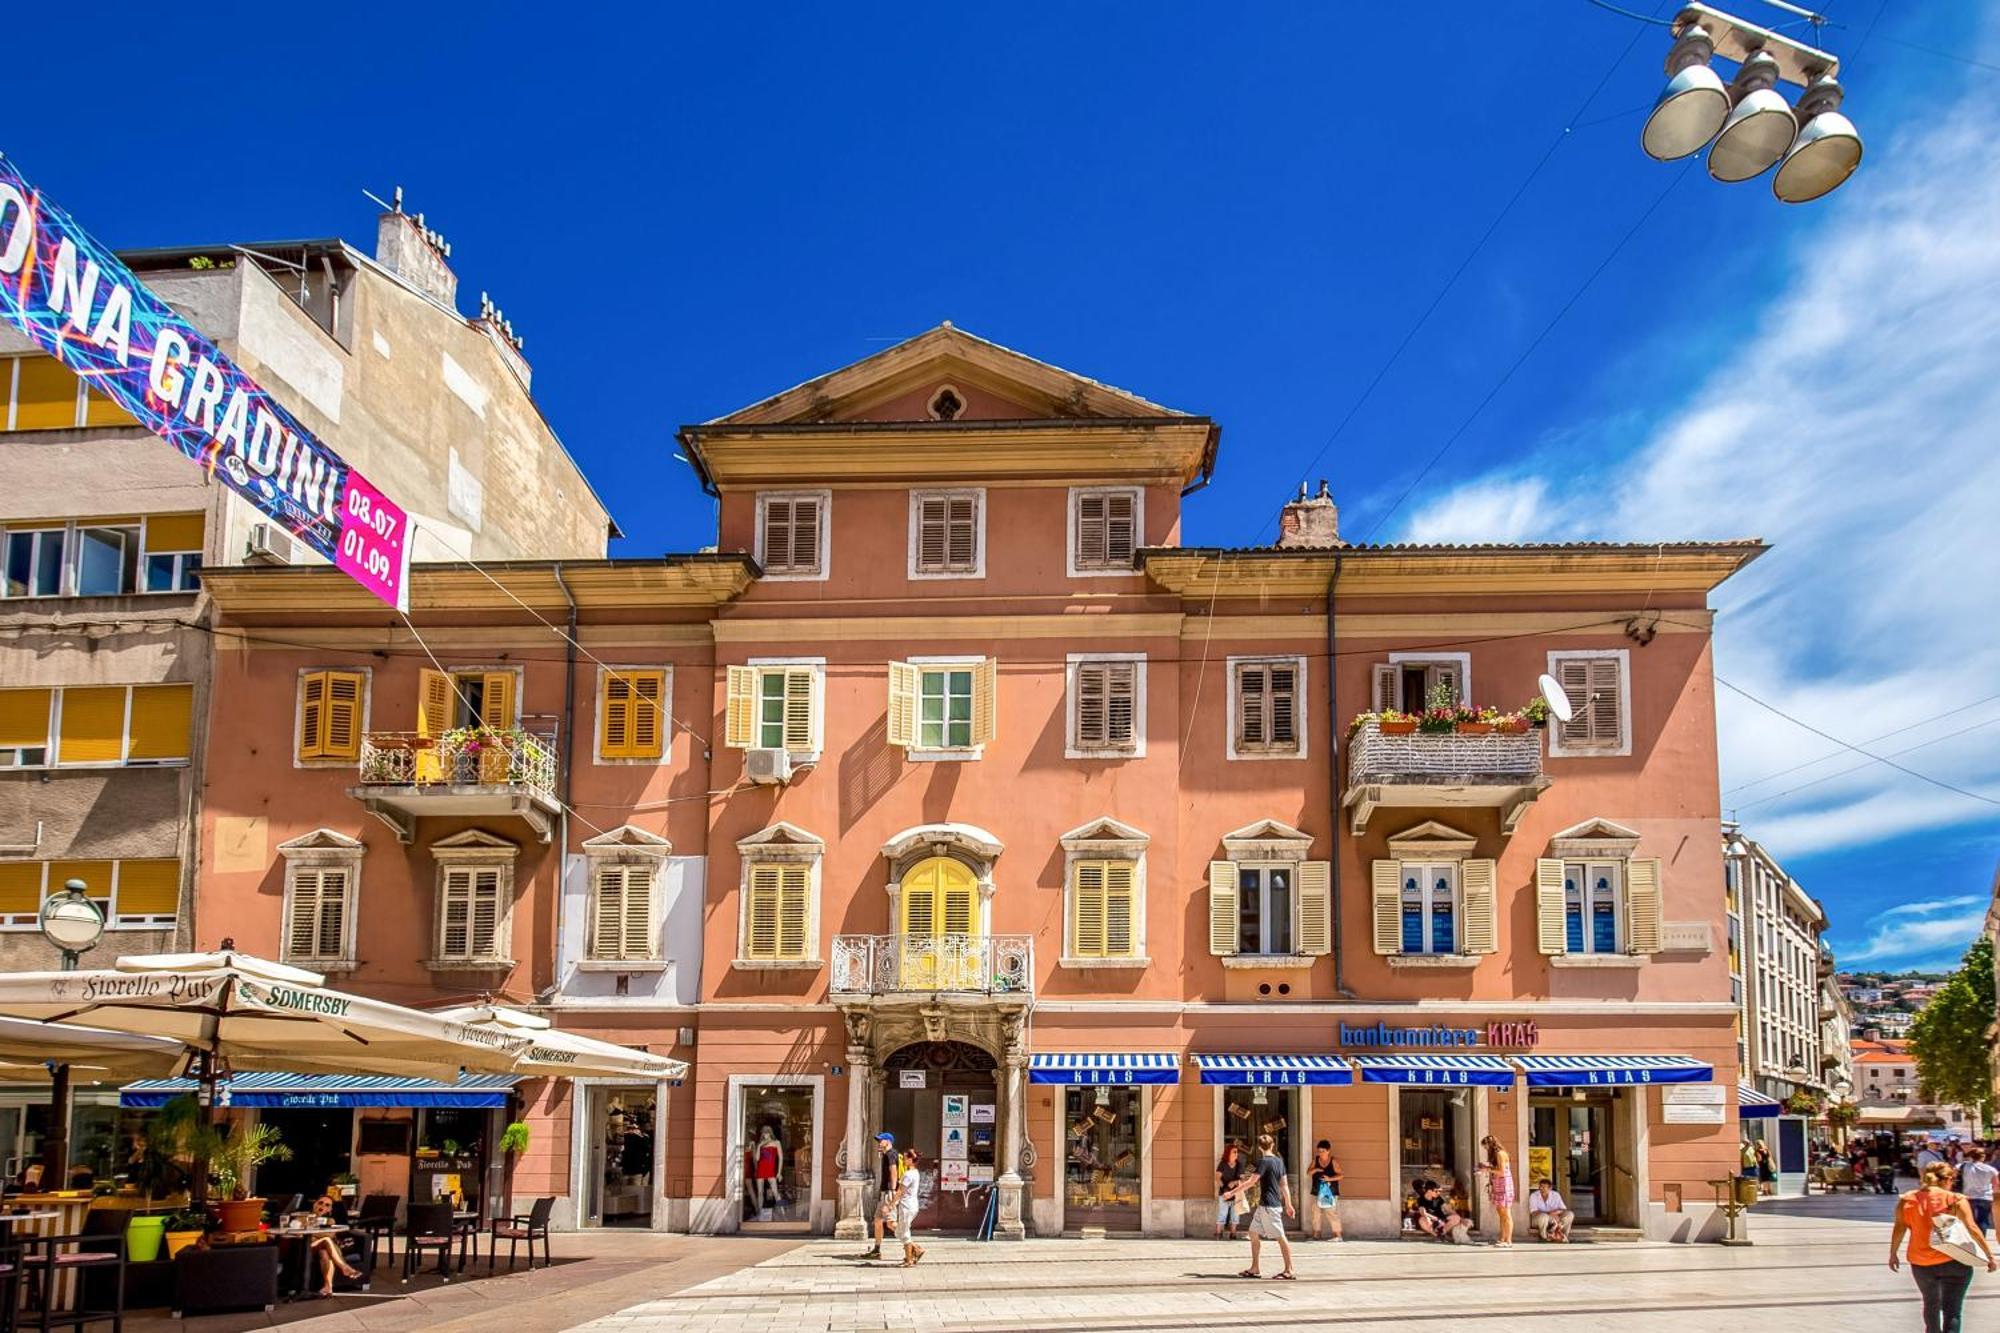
(1594, 838)
(1267, 840)
(1432, 841)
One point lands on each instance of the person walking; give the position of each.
(1498, 1168)
(1976, 1178)
(909, 1197)
(1767, 1175)
(885, 1199)
(1229, 1174)
(1273, 1190)
(1925, 1215)
(1323, 1182)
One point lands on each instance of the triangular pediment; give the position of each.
(475, 840)
(1266, 830)
(988, 382)
(1105, 830)
(626, 838)
(1595, 837)
(780, 834)
(1431, 838)
(321, 840)
(1597, 828)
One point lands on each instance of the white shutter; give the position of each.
(1386, 900)
(1642, 905)
(1550, 929)
(905, 682)
(1315, 907)
(1222, 908)
(1386, 679)
(455, 913)
(319, 914)
(1481, 932)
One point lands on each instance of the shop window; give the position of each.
(942, 706)
(776, 1141)
(1105, 530)
(1435, 1143)
(1250, 1111)
(331, 705)
(947, 534)
(632, 713)
(622, 1123)
(1107, 705)
(792, 534)
(1101, 1170)
(1267, 708)
(774, 706)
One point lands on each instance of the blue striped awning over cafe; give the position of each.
(1448, 1071)
(273, 1091)
(1754, 1105)
(1273, 1070)
(1611, 1071)
(1113, 1068)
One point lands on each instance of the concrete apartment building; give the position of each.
(106, 637)
(1782, 968)
(954, 797)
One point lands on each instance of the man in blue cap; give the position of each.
(885, 1204)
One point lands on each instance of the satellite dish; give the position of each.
(1556, 698)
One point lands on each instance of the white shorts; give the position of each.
(1268, 1223)
(905, 1217)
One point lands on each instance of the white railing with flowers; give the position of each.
(1373, 757)
(925, 964)
(470, 757)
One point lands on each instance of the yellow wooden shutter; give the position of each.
(801, 717)
(985, 700)
(312, 715)
(96, 877)
(174, 532)
(496, 701)
(1386, 898)
(93, 725)
(740, 708)
(1551, 933)
(162, 722)
(340, 733)
(760, 912)
(24, 718)
(1642, 905)
(614, 711)
(1121, 909)
(920, 895)
(20, 888)
(1476, 882)
(1222, 908)
(149, 887)
(648, 713)
(1315, 907)
(1087, 910)
(45, 395)
(794, 914)
(434, 703)
(905, 682)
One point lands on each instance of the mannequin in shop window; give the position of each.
(767, 1165)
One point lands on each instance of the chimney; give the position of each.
(415, 253)
(494, 323)
(1310, 522)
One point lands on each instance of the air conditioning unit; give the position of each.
(270, 545)
(768, 766)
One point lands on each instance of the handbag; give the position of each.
(1950, 1236)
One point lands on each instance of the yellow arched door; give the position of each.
(940, 903)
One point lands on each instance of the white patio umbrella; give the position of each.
(553, 1052)
(28, 1048)
(230, 1010)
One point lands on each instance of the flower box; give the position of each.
(1513, 726)
(1475, 728)
(1400, 727)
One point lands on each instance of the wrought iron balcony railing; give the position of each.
(473, 758)
(1496, 769)
(887, 965)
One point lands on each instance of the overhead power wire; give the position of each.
(1856, 768)
(1920, 722)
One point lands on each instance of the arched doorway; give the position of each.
(943, 1099)
(939, 922)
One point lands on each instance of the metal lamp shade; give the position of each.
(1826, 153)
(1691, 109)
(1759, 130)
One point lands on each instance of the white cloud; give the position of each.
(1936, 931)
(1854, 429)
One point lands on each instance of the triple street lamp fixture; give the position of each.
(1747, 125)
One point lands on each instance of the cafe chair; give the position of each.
(427, 1226)
(377, 1221)
(46, 1261)
(10, 1286)
(514, 1230)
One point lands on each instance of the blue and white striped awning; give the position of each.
(1611, 1071)
(1476, 1071)
(272, 1091)
(1274, 1070)
(1754, 1105)
(1116, 1068)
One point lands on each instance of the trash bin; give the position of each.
(1746, 1191)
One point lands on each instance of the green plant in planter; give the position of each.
(241, 1153)
(514, 1139)
(1536, 710)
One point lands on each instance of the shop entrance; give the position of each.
(1250, 1111)
(620, 1122)
(942, 1098)
(1574, 1142)
(321, 1142)
(776, 1140)
(1101, 1170)
(1435, 1134)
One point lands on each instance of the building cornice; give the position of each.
(699, 581)
(1206, 573)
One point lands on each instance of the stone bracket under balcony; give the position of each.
(1495, 770)
(505, 774)
(401, 807)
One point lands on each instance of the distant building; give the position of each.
(1779, 968)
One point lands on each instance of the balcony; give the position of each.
(405, 777)
(919, 967)
(1494, 770)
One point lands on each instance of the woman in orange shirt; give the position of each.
(1941, 1279)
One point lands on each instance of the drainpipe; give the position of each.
(1340, 985)
(563, 760)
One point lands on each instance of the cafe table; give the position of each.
(303, 1237)
(466, 1226)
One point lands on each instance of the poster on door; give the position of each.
(911, 1078)
(951, 1148)
(955, 1109)
(951, 1176)
(982, 1113)
(1541, 1164)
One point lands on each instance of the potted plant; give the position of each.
(1440, 715)
(184, 1227)
(237, 1156)
(1396, 723)
(1536, 711)
(1477, 722)
(1511, 724)
(143, 1232)
(348, 1184)
(513, 1142)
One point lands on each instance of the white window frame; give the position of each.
(978, 496)
(320, 850)
(1463, 661)
(824, 498)
(1262, 870)
(604, 672)
(68, 576)
(944, 753)
(367, 675)
(762, 665)
(1557, 750)
(109, 900)
(781, 842)
(1618, 891)
(1105, 839)
(1076, 495)
(474, 851)
(1137, 750)
(8, 532)
(1426, 891)
(1300, 694)
(48, 745)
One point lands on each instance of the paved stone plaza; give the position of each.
(1817, 1264)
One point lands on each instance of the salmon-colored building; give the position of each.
(954, 797)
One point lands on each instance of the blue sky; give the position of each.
(1239, 212)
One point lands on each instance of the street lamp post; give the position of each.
(73, 924)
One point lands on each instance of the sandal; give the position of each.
(1287, 1276)
(1250, 1273)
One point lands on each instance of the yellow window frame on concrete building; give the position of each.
(136, 893)
(109, 725)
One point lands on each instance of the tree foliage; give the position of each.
(1949, 1036)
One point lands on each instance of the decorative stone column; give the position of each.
(852, 1221)
(1009, 1225)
